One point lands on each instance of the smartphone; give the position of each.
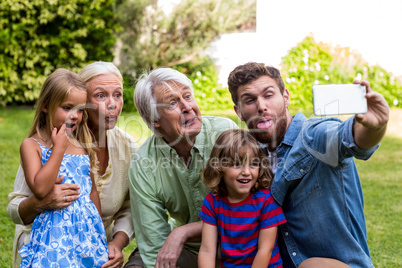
(336, 99)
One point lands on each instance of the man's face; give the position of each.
(264, 109)
(180, 117)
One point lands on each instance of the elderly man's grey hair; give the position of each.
(97, 68)
(144, 92)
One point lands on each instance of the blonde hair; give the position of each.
(54, 91)
(96, 68)
(225, 152)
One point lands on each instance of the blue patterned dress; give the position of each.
(73, 236)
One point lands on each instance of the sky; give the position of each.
(371, 27)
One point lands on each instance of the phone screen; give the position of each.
(339, 99)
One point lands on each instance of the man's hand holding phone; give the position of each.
(377, 114)
(370, 108)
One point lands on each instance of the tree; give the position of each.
(38, 36)
(152, 38)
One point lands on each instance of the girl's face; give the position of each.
(241, 175)
(105, 93)
(70, 111)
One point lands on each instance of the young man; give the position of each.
(316, 181)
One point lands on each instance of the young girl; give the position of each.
(240, 212)
(58, 146)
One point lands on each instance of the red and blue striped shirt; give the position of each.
(239, 224)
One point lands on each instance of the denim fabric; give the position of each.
(319, 189)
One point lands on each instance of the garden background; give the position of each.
(38, 36)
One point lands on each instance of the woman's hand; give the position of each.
(116, 257)
(62, 195)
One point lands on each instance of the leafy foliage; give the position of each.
(128, 94)
(382, 81)
(153, 39)
(304, 65)
(312, 63)
(38, 36)
(209, 94)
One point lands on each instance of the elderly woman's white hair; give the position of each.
(97, 68)
(144, 92)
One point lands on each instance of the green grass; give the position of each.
(14, 125)
(381, 178)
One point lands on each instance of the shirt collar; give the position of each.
(294, 129)
(201, 140)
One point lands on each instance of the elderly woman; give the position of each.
(115, 148)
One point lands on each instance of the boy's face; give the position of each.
(241, 175)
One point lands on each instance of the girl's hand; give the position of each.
(60, 138)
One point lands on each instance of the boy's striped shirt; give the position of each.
(239, 224)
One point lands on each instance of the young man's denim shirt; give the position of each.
(319, 189)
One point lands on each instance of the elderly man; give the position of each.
(316, 180)
(165, 173)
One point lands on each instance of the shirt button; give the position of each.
(286, 233)
(99, 184)
(294, 253)
(301, 170)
